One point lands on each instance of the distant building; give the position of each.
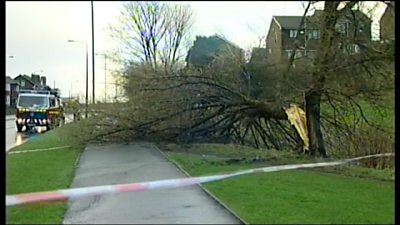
(286, 34)
(33, 82)
(387, 23)
(206, 49)
(24, 81)
(12, 89)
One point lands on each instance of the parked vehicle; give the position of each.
(39, 108)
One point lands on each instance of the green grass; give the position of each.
(41, 171)
(298, 196)
(382, 114)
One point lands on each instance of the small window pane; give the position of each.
(315, 34)
(293, 33)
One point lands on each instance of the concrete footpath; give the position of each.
(10, 117)
(119, 163)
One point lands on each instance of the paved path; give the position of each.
(119, 163)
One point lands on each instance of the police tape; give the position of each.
(75, 193)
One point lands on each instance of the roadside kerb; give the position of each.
(204, 189)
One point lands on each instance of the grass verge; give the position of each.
(287, 197)
(41, 171)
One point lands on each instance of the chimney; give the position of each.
(43, 80)
(35, 78)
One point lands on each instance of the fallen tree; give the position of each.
(195, 104)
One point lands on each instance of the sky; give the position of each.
(37, 35)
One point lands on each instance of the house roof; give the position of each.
(26, 77)
(357, 13)
(289, 22)
(293, 22)
(9, 80)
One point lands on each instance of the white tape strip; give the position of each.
(76, 193)
(38, 150)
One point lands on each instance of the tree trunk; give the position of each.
(326, 52)
(313, 103)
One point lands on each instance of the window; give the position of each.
(343, 27)
(52, 102)
(340, 27)
(354, 49)
(293, 33)
(29, 101)
(315, 34)
(269, 50)
(297, 54)
(22, 83)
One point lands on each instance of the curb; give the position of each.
(203, 188)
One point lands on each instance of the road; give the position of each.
(13, 138)
(122, 163)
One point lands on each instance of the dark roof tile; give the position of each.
(289, 22)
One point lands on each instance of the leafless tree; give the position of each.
(152, 32)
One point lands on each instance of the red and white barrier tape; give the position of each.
(76, 193)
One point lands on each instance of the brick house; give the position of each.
(286, 34)
(387, 23)
(12, 90)
(35, 81)
(24, 81)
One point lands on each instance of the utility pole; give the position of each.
(116, 94)
(105, 75)
(105, 78)
(87, 76)
(305, 37)
(91, 2)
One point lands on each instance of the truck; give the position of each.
(39, 108)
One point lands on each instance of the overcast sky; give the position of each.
(37, 34)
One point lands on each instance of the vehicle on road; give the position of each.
(39, 108)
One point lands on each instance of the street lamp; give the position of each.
(38, 71)
(87, 76)
(91, 5)
(71, 91)
(105, 76)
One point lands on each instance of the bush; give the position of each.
(365, 140)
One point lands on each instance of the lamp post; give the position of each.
(71, 90)
(11, 102)
(37, 71)
(91, 6)
(87, 77)
(105, 76)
